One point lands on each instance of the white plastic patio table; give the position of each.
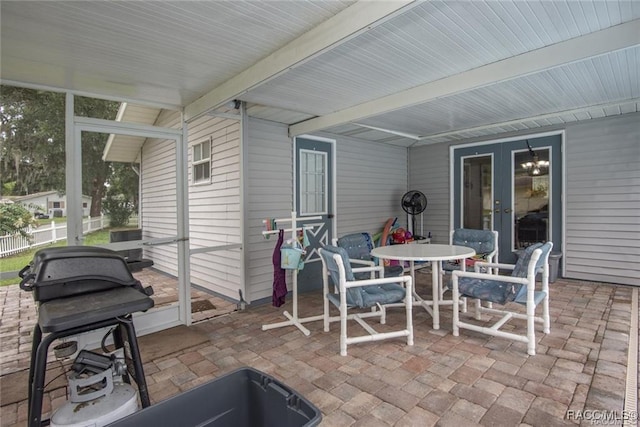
(433, 253)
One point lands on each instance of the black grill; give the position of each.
(74, 270)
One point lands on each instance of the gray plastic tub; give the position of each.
(554, 265)
(242, 398)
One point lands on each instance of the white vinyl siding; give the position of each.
(603, 201)
(429, 173)
(158, 198)
(269, 195)
(214, 208)
(371, 179)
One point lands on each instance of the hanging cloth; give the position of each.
(279, 275)
(305, 239)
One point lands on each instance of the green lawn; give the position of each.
(17, 262)
(48, 221)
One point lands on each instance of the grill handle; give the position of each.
(26, 284)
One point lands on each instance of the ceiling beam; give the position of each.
(390, 131)
(601, 42)
(434, 138)
(349, 23)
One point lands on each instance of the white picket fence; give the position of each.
(11, 245)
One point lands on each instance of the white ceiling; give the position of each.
(423, 72)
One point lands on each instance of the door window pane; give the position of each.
(477, 190)
(531, 198)
(313, 182)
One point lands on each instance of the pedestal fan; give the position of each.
(414, 203)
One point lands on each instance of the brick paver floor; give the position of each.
(442, 380)
(18, 315)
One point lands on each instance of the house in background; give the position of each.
(50, 203)
(336, 109)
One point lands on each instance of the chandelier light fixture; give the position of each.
(535, 167)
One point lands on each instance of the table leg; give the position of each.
(417, 299)
(435, 285)
(413, 272)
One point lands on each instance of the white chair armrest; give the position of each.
(496, 277)
(380, 281)
(479, 264)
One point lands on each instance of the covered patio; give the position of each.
(580, 369)
(396, 91)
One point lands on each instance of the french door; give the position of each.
(513, 187)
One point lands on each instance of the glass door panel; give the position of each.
(313, 182)
(477, 193)
(531, 198)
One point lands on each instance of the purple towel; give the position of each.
(279, 275)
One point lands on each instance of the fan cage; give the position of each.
(414, 203)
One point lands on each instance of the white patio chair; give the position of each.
(484, 242)
(519, 287)
(355, 294)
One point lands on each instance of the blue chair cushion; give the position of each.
(487, 289)
(502, 292)
(521, 296)
(393, 271)
(546, 250)
(370, 295)
(522, 265)
(362, 296)
(359, 246)
(482, 241)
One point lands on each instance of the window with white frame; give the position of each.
(313, 182)
(201, 162)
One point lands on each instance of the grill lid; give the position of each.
(65, 271)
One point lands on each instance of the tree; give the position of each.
(95, 171)
(119, 210)
(32, 145)
(121, 200)
(14, 219)
(123, 183)
(32, 140)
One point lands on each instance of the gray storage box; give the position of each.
(242, 398)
